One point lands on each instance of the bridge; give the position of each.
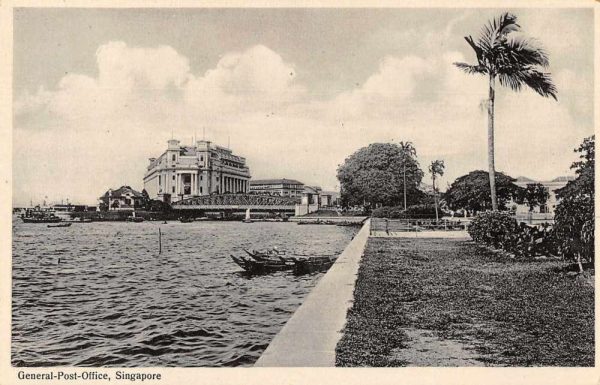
(238, 202)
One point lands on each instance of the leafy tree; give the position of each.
(472, 191)
(574, 216)
(436, 168)
(516, 61)
(535, 194)
(375, 175)
(145, 201)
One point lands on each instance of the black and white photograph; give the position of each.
(298, 186)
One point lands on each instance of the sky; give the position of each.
(96, 92)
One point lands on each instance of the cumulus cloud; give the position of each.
(90, 133)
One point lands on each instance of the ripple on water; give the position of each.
(114, 301)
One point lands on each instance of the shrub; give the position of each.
(422, 211)
(500, 230)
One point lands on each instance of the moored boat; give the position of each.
(61, 225)
(40, 215)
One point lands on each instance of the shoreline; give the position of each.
(310, 336)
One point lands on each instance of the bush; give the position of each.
(501, 231)
(422, 211)
(575, 227)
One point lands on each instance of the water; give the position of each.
(112, 300)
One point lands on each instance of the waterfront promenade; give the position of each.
(310, 336)
(434, 298)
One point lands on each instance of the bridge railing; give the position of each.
(236, 200)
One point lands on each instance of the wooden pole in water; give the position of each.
(159, 241)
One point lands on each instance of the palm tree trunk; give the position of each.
(491, 167)
(435, 200)
(404, 177)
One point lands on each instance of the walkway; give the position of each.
(310, 336)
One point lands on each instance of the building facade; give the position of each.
(123, 198)
(187, 171)
(281, 187)
(551, 186)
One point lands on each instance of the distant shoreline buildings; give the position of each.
(281, 187)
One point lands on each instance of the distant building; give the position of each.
(551, 185)
(123, 198)
(281, 187)
(186, 171)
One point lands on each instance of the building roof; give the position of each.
(524, 179)
(563, 179)
(122, 191)
(311, 189)
(275, 181)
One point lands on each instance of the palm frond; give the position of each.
(471, 69)
(540, 82)
(525, 51)
(495, 31)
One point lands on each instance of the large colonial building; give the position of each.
(185, 171)
(282, 187)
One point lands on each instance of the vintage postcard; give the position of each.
(298, 193)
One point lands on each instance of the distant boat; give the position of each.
(39, 215)
(186, 220)
(134, 219)
(48, 219)
(61, 225)
(247, 219)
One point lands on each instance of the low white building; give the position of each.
(552, 186)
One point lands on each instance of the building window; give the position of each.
(159, 181)
(173, 176)
(200, 190)
(174, 157)
(201, 178)
(173, 189)
(201, 158)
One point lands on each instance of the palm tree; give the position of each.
(408, 151)
(436, 168)
(516, 61)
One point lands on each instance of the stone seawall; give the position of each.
(310, 336)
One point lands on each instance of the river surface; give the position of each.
(99, 294)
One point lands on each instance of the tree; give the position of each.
(516, 61)
(574, 216)
(436, 168)
(408, 151)
(535, 194)
(145, 201)
(472, 191)
(374, 175)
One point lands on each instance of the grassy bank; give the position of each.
(497, 311)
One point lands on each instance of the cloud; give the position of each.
(257, 78)
(90, 133)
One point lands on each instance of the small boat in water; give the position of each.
(274, 260)
(266, 266)
(186, 219)
(135, 219)
(61, 225)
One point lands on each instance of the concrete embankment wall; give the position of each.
(310, 336)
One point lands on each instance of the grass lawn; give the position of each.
(484, 308)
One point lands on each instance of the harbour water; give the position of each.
(99, 294)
